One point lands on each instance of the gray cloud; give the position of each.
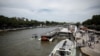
(57, 10)
(95, 7)
(45, 10)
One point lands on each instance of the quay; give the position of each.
(92, 51)
(89, 42)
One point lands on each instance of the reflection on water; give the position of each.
(21, 43)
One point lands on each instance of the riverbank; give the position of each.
(14, 29)
(89, 43)
(92, 51)
(92, 48)
(79, 52)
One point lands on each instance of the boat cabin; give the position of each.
(61, 53)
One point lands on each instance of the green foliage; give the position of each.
(87, 22)
(93, 23)
(95, 20)
(77, 24)
(16, 22)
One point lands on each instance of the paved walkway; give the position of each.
(95, 51)
(83, 42)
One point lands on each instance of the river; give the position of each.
(21, 43)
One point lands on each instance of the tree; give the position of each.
(93, 23)
(77, 24)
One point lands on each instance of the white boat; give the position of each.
(73, 29)
(70, 29)
(64, 31)
(64, 48)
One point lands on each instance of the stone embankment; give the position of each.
(89, 43)
(13, 29)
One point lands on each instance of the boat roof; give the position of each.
(65, 30)
(69, 43)
(68, 46)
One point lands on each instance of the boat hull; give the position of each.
(45, 38)
(64, 49)
(49, 37)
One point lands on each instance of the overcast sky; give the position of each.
(52, 10)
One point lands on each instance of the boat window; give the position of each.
(64, 44)
(68, 53)
(63, 53)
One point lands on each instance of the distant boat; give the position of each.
(64, 48)
(64, 31)
(73, 29)
(69, 29)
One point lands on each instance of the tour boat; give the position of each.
(64, 31)
(64, 48)
(48, 36)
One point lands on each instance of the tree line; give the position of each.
(16, 22)
(93, 23)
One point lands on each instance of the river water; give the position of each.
(21, 43)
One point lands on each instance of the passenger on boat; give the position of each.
(64, 44)
(34, 36)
